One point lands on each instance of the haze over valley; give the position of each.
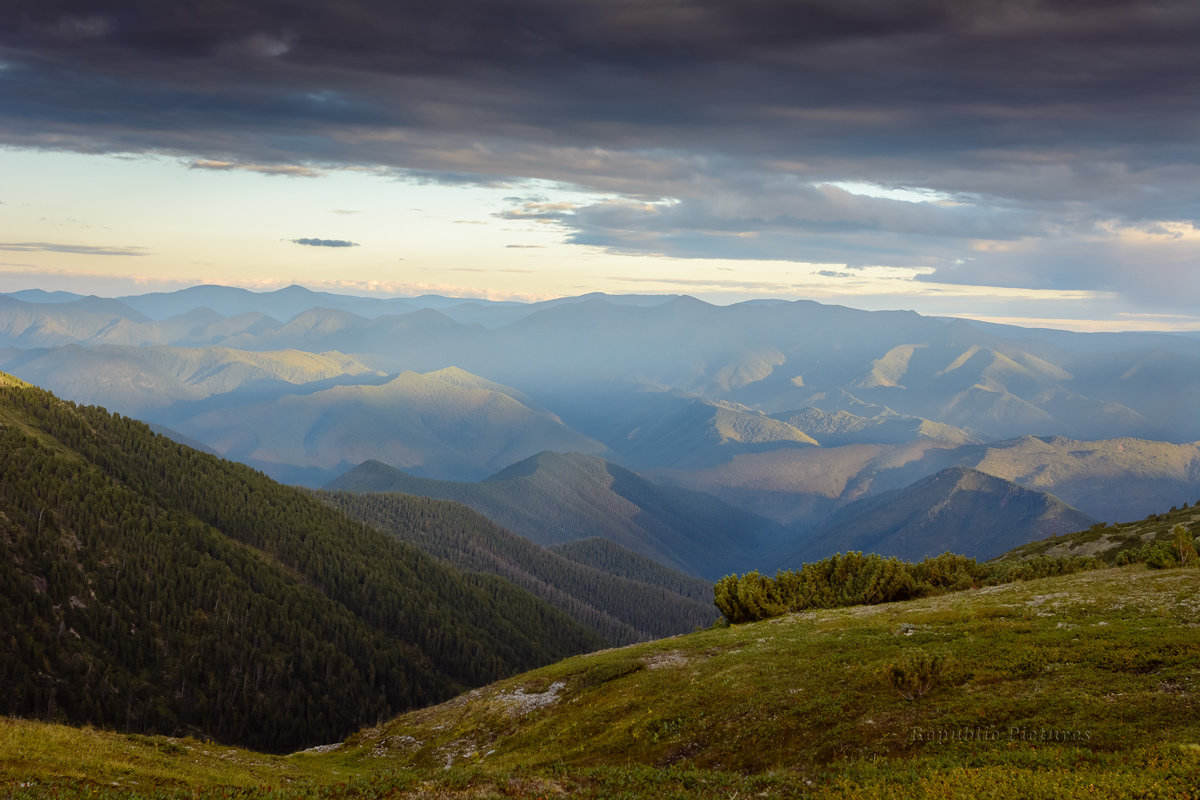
(786, 415)
(599, 398)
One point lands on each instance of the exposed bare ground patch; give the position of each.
(518, 702)
(671, 658)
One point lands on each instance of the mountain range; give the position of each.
(149, 588)
(790, 411)
(554, 498)
(770, 356)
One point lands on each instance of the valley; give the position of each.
(493, 574)
(652, 399)
(787, 413)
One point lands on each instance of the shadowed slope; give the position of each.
(553, 498)
(150, 587)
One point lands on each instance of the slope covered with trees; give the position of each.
(150, 587)
(622, 596)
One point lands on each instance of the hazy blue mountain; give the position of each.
(146, 381)
(885, 426)
(741, 401)
(957, 510)
(282, 304)
(287, 303)
(225, 329)
(555, 498)
(445, 424)
(42, 296)
(119, 379)
(768, 357)
(491, 314)
(1181, 342)
(1111, 480)
(1000, 390)
(87, 320)
(656, 429)
(784, 357)
(419, 340)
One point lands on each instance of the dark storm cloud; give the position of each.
(768, 78)
(325, 242)
(1031, 118)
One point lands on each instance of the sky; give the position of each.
(1028, 161)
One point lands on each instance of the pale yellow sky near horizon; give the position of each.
(113, 225)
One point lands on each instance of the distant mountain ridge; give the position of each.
(444, 423)
(790, 410)
(554, 498)
(772, 357)
(141, 379)
(958, 510)
(1113, 479)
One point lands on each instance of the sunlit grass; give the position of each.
(1083, 685)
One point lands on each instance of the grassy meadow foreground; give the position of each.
(1078, 685)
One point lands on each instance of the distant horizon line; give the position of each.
(1066, 325)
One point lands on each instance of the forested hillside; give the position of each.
(150, 587)
(620, 595)
(607, 555)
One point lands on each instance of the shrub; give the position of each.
(917, 672)
(854, 578)
(748, 598)
(1159, 556)
(1126, 557)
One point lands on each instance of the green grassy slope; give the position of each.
(1108, 542)
(622, 603)
(806, 690)
(1085, 685)
(150, 587)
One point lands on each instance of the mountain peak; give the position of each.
(293, 290)
(958, 509)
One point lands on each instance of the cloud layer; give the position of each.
(1054, 143)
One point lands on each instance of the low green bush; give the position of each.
(854, 578)
(917, 672)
